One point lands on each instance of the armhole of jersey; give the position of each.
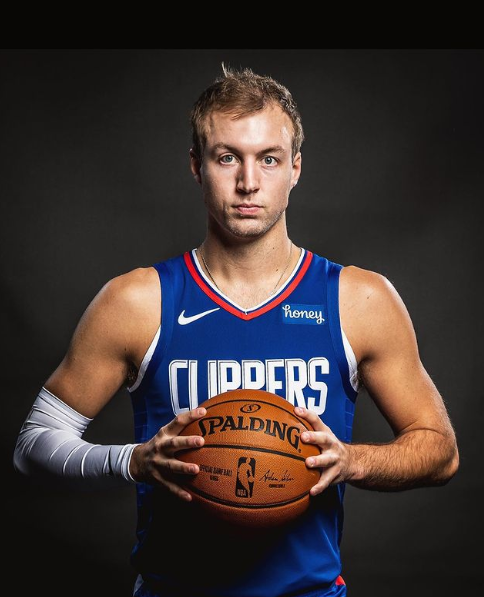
(145, 362)
(158, 346)
(344, 353)
(352, 364)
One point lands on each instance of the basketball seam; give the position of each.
(254, 449)
(211, 498)
(209, 406)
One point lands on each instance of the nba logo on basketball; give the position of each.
(245, 477)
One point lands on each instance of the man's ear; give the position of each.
(296, 169)
(195, 166)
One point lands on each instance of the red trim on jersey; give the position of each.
(230, 308)
(340, 581)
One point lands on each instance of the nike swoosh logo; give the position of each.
(182, 320)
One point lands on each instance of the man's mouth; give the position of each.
(247, 209)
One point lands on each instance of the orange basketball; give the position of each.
(252, 465)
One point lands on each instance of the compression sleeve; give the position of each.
(50, 442)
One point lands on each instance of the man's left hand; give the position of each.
(334, 460)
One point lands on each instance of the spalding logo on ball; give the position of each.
(252, 465)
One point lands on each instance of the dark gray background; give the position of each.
(95, 181)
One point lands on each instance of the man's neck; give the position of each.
(248, 271)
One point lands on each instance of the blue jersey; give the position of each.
(291, 345)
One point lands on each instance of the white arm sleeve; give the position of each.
(50, 441)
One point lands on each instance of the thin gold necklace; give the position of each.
(275, 287)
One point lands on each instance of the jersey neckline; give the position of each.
(223, 301)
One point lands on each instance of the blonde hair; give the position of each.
(241, 93)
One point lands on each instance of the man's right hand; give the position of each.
(154, 462)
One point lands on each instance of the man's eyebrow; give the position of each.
(271, 149)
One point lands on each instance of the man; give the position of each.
(231, 314)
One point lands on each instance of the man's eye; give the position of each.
(269, 161)
(227, 159)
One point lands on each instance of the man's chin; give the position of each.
(249, 228)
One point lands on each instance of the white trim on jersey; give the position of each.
(230, 301)
(145, 362)
(352, 364)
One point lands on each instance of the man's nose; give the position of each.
(248, 178)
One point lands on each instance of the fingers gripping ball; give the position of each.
(252, 464)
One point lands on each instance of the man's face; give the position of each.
(247, 171)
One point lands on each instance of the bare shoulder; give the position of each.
(135, 290)
(126, 312)
(371, 310)
(360, 287)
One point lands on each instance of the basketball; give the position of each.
(252, 465)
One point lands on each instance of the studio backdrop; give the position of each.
(95, 181)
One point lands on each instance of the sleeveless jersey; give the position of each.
(291, 345)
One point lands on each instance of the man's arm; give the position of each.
(424, 451)
(111, 337)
